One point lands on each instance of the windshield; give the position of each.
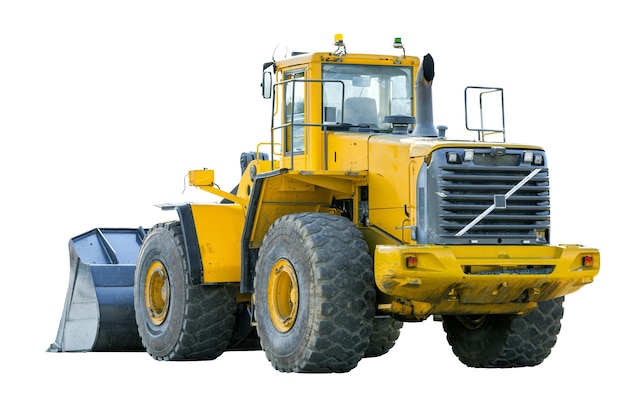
(371, 94)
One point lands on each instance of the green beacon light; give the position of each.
(397, 43)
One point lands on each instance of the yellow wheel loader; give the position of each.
(354, 216)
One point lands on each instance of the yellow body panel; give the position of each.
(420, 147)
(462, 279)
(219, 227)
(295, 191)
(390, 185)
(348, 151)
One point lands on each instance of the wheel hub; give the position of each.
(157, 293)
(282, 295)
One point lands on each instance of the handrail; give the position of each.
(482, 131)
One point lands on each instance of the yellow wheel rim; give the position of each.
(157, 293)
(282, 295)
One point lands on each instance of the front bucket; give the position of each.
(99, 313)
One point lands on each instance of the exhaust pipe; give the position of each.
(423, 93)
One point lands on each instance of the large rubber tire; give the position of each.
(384, 335)
(244, 333)
(314, 294)
(505, 341)
(176, 320)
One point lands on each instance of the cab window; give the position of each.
(368, 94)
(294, 112)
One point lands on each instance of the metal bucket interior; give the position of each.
(99, 313)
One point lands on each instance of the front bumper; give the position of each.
(433, 279)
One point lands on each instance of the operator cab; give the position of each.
(317, 94)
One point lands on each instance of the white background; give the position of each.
(105, 106)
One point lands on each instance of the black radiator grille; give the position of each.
(462, 192)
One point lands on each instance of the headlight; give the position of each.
(533, 158)
(469, 155)
(453, 158)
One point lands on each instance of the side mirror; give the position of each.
(266, 85)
